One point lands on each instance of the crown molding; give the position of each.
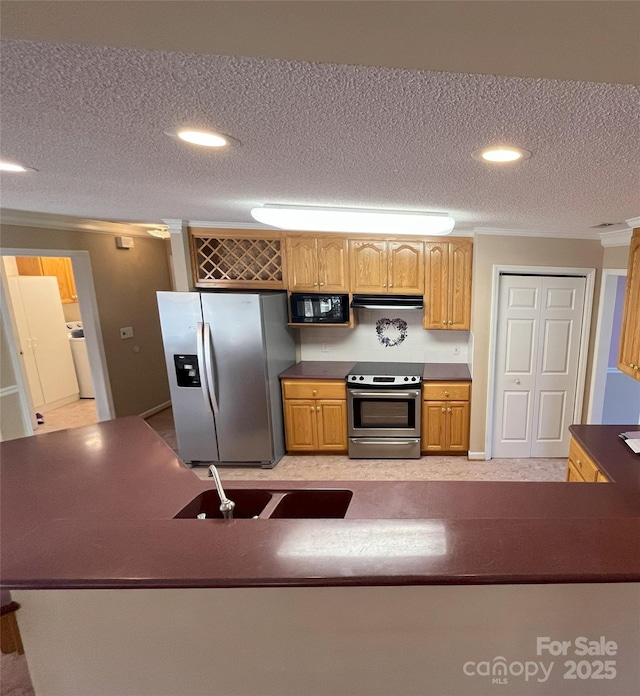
(617, 238)
(50, 221)
(478, 231)
(633, 222)
(229, 225)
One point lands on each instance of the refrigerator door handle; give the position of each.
(204, 384)
(208, 362)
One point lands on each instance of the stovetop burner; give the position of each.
(385, 374)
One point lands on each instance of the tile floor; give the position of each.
(341, 468)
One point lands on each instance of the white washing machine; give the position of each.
(80, 360)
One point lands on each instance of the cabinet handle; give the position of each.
(448, 410)
(321, 284)
(318, 408)
(443, 409)
(312, 408)
(314, 284)
(450, 321)
(446, 393)
(314, 392)
(390, 285)
(384, 285)
(444, 321)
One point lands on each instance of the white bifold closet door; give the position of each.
(538, 343)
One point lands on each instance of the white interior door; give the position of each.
(49, 340)
(538, 343)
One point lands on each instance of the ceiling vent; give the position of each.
(604, 224)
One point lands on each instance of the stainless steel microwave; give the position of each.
(315, 308)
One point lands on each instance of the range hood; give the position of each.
(388, 301)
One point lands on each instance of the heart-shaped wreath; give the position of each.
(391, 332)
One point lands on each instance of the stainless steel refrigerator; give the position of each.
(224, 352)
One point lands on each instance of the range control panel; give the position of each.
(187, 372)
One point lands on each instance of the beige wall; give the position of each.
(125, 282)
(521, 251)
(616, 257)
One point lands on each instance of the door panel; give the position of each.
(406, 268)
(458, 440)
(300, 425)
(302, 264)
(538, 343)
(434, 426)
(459, 313)
(333, 265)
(551, 416)
(437, 280)
(368, 266)
(332, 425)
(516, 414)
(243, 421)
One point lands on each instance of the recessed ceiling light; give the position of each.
(321, 219)
(501, 154)
(204, 138)
(6, 166)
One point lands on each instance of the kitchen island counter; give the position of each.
(93, 507)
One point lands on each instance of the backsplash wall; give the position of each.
(362, 342)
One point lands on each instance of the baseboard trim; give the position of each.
(477, 456)
(155, 409)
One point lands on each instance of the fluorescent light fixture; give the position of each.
(6, 166)
(320, 219)
(204, 138)
(501, 154)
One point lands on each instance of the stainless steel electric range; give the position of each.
(383, 410)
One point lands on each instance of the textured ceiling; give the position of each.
(91, 120)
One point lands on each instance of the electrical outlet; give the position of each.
(456, 350)
(324, 347)
(126, 332)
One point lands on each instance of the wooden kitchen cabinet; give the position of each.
(448, 285)
(581, 468)
(387, 267)
(629, 355)
(318, 264)
(445, 417)
(315, 415)
(60, 267)
(237, 259)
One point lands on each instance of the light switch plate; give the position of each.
(126, 332)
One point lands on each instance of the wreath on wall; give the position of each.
(391, 332)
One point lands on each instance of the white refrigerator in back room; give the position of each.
(224, 352)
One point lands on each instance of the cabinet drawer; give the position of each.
(583, 463)
(446, 391)
(573, 475)
(304, 389)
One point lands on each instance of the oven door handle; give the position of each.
(386, 441)
(385, 395)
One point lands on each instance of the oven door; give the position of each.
(383, 412)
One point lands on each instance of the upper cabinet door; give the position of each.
(406, 268)
(629, 356)
(368, 266)
(302, 264)
(459, 285)
(437, 294)
(333, 264)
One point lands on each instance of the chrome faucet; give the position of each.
(226, 505)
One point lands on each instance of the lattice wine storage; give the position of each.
(224, 260)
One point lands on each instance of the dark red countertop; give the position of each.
(312, 369)
(93, 507)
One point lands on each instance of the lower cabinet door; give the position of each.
(300, 425)
(332, 425)
(458, 430)
(434, 426)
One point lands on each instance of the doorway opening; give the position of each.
(538, 352)
(48, 380)
(615, 397)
